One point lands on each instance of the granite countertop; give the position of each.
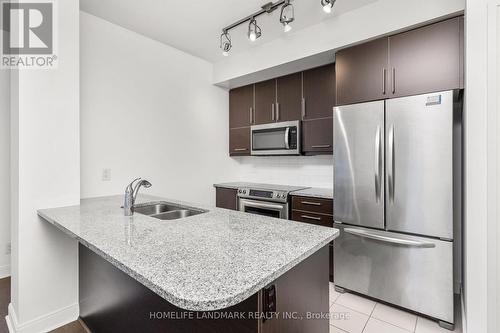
(315, 192)
(260, 186)
(204, 262)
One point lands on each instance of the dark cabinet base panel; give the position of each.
(112, 301)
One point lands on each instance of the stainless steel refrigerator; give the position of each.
(397, 200)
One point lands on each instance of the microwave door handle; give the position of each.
(287, 138)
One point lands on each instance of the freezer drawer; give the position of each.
(412, 272)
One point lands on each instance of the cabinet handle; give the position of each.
(303, 107)
(251, 117)
(311, 217)
(384, 72)
(311, 203)
(321, 146)
(272, 111)
(277, 111)
(240, 149)
(393, 80)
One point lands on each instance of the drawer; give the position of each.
(412, 272)
(315, 205)
(312, 218)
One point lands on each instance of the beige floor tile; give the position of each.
(379, 326)
(356, 303)
(333, 294)
(428, 326)
(395, 316)
(334, 329)
(347, 319)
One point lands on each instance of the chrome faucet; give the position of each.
(131, 194)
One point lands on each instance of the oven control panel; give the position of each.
(267, 195)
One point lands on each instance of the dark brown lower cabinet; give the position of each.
(226, 198)
(316, 211)
(239, 141)
(317, 136)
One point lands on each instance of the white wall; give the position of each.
(151, 111)
(313, 171)
(480, 278)
(4, 172)
(45, 170)
(370, 21)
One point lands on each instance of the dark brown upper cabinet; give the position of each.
(265, 102)
(419, 61)
(362, 72)
(317, 136)
(239, 141)
(289, 97)
(241, 106)
(427, 59)
(318, 92)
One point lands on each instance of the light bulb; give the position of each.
(287, 27)
(327, 8)
(225, 53)
(252, 36)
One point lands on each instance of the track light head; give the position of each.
(254, 30)
(225, 43)
(287, 15)
(327, 5)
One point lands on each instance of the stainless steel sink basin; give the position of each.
(166, 210)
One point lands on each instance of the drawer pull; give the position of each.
(240, 149)
(311, 203)
(321, 146)
(311, 217)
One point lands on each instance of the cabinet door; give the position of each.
(239, 141)
(226, 198)
(427, 59)
(362, 72)
(241, 106)
(317, 136)
(265, 102)
(319, 92)
(289, 95)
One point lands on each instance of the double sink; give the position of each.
(166, 210)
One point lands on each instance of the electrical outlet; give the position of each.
(8, 248)
(106, 175)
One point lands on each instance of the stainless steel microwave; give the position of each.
(276, 138)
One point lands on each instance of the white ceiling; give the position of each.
(194, 26)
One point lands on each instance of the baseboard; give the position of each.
(4, 271)
(43, 323)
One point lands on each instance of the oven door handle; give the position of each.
(255, 204)
(287, 138)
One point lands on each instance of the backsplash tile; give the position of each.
(313, 171)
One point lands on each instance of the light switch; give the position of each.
(106, 175)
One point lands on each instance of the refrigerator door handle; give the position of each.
(388, 239)
(377, 164)
(390, 167)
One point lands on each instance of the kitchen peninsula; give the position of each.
(195, 274)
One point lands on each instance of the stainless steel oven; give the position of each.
(263, 202)
(276, 138)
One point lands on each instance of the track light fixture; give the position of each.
(254, 30)
(327, 5)
(225, 43)
(287, 15)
